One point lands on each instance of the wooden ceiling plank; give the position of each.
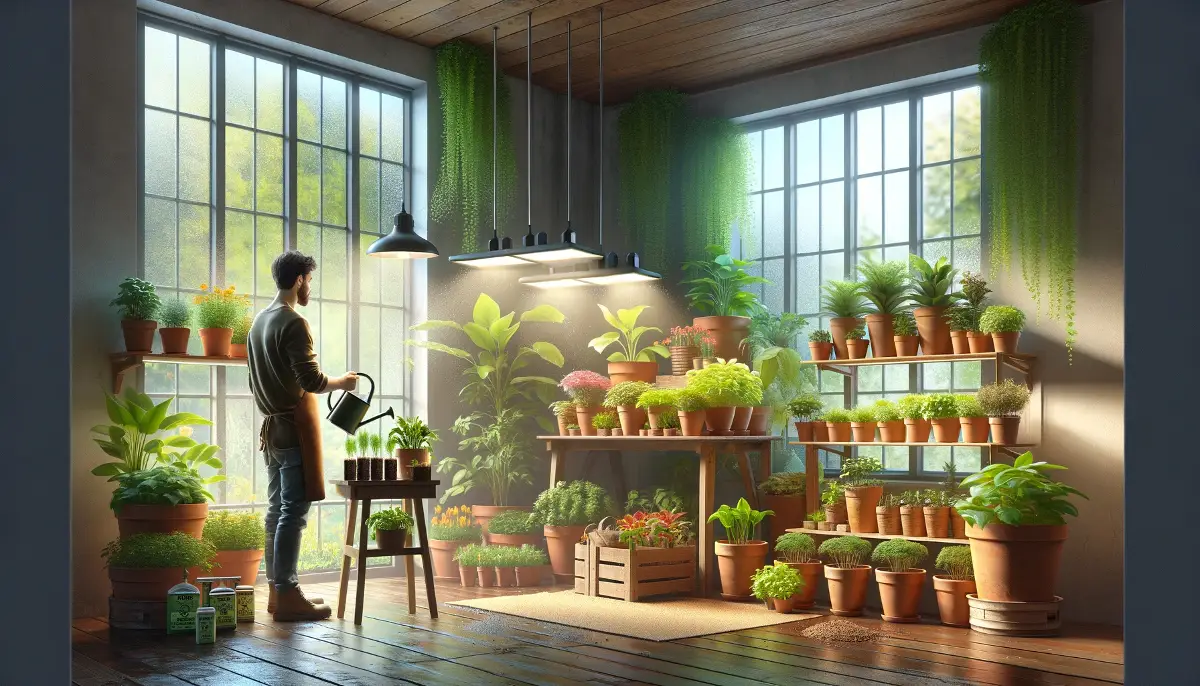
(483, 21)
(408, 11)
(332, 6)
(551, 36)
(365, 10)
(556, 9)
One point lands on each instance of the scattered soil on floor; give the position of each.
(841, 631)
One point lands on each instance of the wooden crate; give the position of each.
(137, 614)
(1014, 618)
(633, 574)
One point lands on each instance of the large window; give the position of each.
(246, 153)
(870, 180)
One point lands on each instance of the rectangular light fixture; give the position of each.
(607, 276)
(527, 255)
(553, 281)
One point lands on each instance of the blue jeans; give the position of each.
(287, 515)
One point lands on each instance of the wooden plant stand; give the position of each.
(632, 574)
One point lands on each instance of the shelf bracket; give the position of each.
(120, 365)
(844, 371)
(1022, 367)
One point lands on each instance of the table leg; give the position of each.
(344, 580)
(558, 456)
(409, 570)
(747, 477)
(426, 563)
(617, 462)
(764, 461)
(708, 479)
(361, 588)
(812, 476)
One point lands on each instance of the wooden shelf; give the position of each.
(923, 359)
(914, 445)
(884, 537)
(123, 362)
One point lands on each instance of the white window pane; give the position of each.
(160, 242)
(833, 267)
(895, 377)
(895, 135)
(268, 242)
(195, 177)
(308, 241)
(773, 290)
(308, 105)
(870, 211)
(391, 194)
(239, 450)
(334, 262)
(333, 112)
(966, 197)
(833, 151)
(966, 254)
(239, 88)
(194, 77)
(239, 250)
(936, 128)
(773, 224)
(195, 245)
(966, 122)
(308, 182)
(160, 58)
(160, 379)
(808, 280)
(392, 356)
(268, 177)
(333, 187)
(392, 128)
(750, 239)
(393, 277)
(269, 95)
(808, 152)
(239, 168)
(895, 207)
(935, 201)
(870, 380)
(368, 273)
(773, 152)
(161, 153)
(967, 376)
(334, 338)
(869, 127)
(932, 251)
(808, 219)
(368, 121)
(368, 195)
(833, 216)
(936, 376)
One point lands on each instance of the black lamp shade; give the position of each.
(403, 241)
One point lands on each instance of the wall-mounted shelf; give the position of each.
(1012, 450)
(884, 537)
(123, 362)
(1018, 362)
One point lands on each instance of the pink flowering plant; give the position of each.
(586, 388)
(685, 336)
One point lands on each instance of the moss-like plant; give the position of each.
(843, 299)
(899, 555)
(863, 414)
(903, 324)
(856, 334)
(573, 504)
(716, 182)
(820, 336)
(726, 383)
(886, 411)
(690, 400)
(228, 530)
(911, 406)
(805, 406)
(1004, 399)
(963, 317)
(940, 406)
(470, 555)
(835, 415)
(658, 397)
(241, 329)
(649, 134)
(174, 314)
(775, 581)
(795, 547)
(784, 483)
(605, 420)
(884, 285)
(625, 393)
(846, 551)
(514, 523)
(968, 406)
(1001, 319)
(955, 561)
(158, 551)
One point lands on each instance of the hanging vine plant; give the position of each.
(716, 181)
(463, 192)
(649, 133)
(1029, 63)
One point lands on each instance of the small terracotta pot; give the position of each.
(847, 589)
(681, 358)
(937, 521)
(741, 420)
(820, 351)
(670, 432)
(139, 334)
(912, 521)
(719, 420)
(934, 330)
(654, 415)
(216, 342)
(836, 514)
(838, 328)
(560, 544)
(574, 432)
(887, 519)
(861, 502)
(839, 432)
(974, 429)
(863, 432)
(632, 418)
(917, 430)
(825, 526)
(692, 423)
(1016, 563)
(702, 362)
(603, 432)
(175, 339)
(562, 426)
(783, 606)
(728, 334)
(528, 576)
(857, 349)
(810, 525)
(506, 577)
(619, 372)
(240, 563)
(643, 432)
(906, 346)
(958, 342)
(1004, 432)
(810, 573)
(143, 584)
(486, 576)
(484, 513)
(737, 564)
(441, 554)
(804, 431)
(979, 342)
(515, 539)
(958, 525)
(891, 432)
(162, 519)
(760, 421)
(952, 599)
(583, 417)
(467, 576)
(237, 350)
(390, 541)
(1006, 342)
(900, 594)
(945, 430)
(883, 343)
(820, 431)
(789, 512)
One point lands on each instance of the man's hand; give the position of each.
(346, 382)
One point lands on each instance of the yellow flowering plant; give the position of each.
(220, 308)
(454, 524)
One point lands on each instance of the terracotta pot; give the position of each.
(583, 417)
(857, 349)
(934, 330)
(891, 432)
(1016, 563)
(391, 541)
(506, 577)
(825, 526)
(737, 563)
(670, 432)
(468, 576)
(632, 418)
(847, 589)
(879, 326)
(810, 573)
(239, 563)
(643, 432)
(619, 372)
(615, 431)
(783, 605)
(839, 432)
(836, 514)
(820, 431)
(887, 520)
(143, 584)
(162, 519)
(692, 423)
(760, 421)
(906, 346)
(560, 544)
(702, 362)
(741, 420)
(917, 430)
(838, 328)
(719, 420)
(945, 430)
(175, 339)
(562, 426)
(974, 429)
(900, 594)
(820, 351)
(528, 576)
(139, 334)
(681, 358)
(912, 521)
(1004, 432)
(407, 455)
(237, 350)
(515, 539)
(804, 431)
(958, 525)
(863, 432)
(603, 432)
(484, 513)
(654, 415)
(979, 342)
(958, 342)
(573, 432)
(937, 521)
(486, 576)
(441, 554)
(861, 502)
(216, 342)
(1006, 342)
(952, 599)
(789, 512)
(810, 525)
(728, 333)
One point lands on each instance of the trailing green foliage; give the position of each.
(627, 336)
(843, 299)
(229, 530)
(932, 285)
(739, 522)
(163, 485)
(391, 519)
(626, 393)
(174, 314)
(899, 555)
(716, 183)
(805, 406)
(1001, 319)
(1004, 399)
(795, 547)
(784, 483)
(1018, 495)
(649, 133)
(159, 551)
(515, 523)
(884, 285)
(720, 285)
(137, 299)
(573, 504)
(846, 551)
(726, 383)
(955, 561)
(775, 581)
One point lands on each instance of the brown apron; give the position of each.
(308, 429)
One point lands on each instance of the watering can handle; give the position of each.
(370, 394)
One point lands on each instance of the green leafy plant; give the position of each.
(740, 521)
(563, 408)
(903, 324)
(649, 133)
(955, 561)
(174, 314)
(834, 493)
(658, 397)
(514, 523)
(220, 308)
(835, 415)
(690, 400)
(974, 289)
(720, 286)
(846, 551)
(863, 414)
(963, 317)
(886, 411)
(412, 433)
(471, 555)
(778, 363)
(573, 504)
(241, 329)
(159, 551)
(1001, 319)
(572, 426)
(137, 299)
(857, 471)
(890, 500)
(1017, 495)
(795, 547)
(805, 406)
(376, 442)
(899, 555)
(933, 497)
(818, 516)
(716, 182)
(884, 285)
(501, 456)
(856, 334)
(364, 445)
(968, 406)
(775, 581)
(911, 406)
(784, 483)
(606, 420)
(931, 286)
(820, 336)
(137, 437)
(351, 446)
(164, 485)
(911, 499)
(626, 393)
(669, 420)
(940, 406)
(528, 556)
(627, 336)
(1004, 399)
(229, 530)
(726, 383)
(843, 299)
(663, 499)
(454, 524)
(391, 519)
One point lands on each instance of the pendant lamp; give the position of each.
(403, 242)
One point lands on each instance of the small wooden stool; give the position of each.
(412, 493)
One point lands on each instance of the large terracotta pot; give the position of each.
(934, 330)
(144, 584)
(240, 563)
(917, 430)
(861, 502)
(741, 420)
(175, 339)
(945, 430)
(810, 574)
(906, 346)
(632, 419)
(760, 421)
(737, 563)
(952, 599)
(974, 429)
(728, 333)
(804, 431)
(583, 417)
(839, 432)
(958, 525)
(162, 519)
(820, 351)
(789, 512)
(560, 544)
(692, 423)
(912, 521)
(1006, 342)
(891, 432)
(681, 358)
(216, 342)
(836, 514)
(937, 521)
(484, 513)
(1004, 432)
(958, 342)
(719, 420)
(879, 326)
(820, 431)
(900, 594)
(979, 342)
(863, 432)
(847, 589)
(515, 539)
(441, 553)
(407, 455)
(838, 328)
(654, 415)
(1016, 563)
(888, 520)
(139, 334)
(619, 372)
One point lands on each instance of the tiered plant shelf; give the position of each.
(123, 362)
(1011, 450)
(883, 537)
(1018, 362)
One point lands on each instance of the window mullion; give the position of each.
(915, 179)
(354, 286)
(290, 159)
(218, 237)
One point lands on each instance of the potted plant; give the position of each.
(174, 319)
(962, 319)
(887, 515)
(564, 414)
(950, 487)
(904, 334)
(350, 463)
(885, 286)
(720, 290)
(708, 351)
(738, 554)
(573, 430)
(900, 581)
(217, 312)
(529, 563)
(669, 423)
(1002, 402)
(565, 511)
(237, 342)
(916, 426)
(420, 472)
(361, 457)
(692, 409)
(587, 390)
(862, 492)
(837, 423)
(503, 561)
(936, 511)
(889, 421)
(975, 290)
(449, 530)
(833, 501)
(238, 538)
(856, 343)
(814, 520)
(658, 403)
(1004, 323)
(820, 344)
(413, 439)
(161, 499)
(623, 398)
(469, 558)
(941, 409)
(862, 424)
(662, 529)
(844, 301)
(605, 422)
(779, 365)
(374, 460)
(138, 302)
(930, 289)
(952, 587)
(515, 527)
(497, 457)
(629, 363)
(804, 408)
(783, 494)
(799, 552)
(725, 385)
(389, 527)
(972, 419)
(846, 574)
(684, 346)
(146, 566)
(912, 514)
(777, 584)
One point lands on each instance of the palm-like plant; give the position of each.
(930, 286)
(843, 299)
(137, 438)
(719, 285)
(884, 285)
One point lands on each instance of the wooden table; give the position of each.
(707, 447)
(412, 493)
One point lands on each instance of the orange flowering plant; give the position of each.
(663, 529)
(220, 308)
(454, 524)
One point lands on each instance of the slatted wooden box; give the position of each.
(633, 574)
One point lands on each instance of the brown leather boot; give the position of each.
(315, 600)
(292, 606)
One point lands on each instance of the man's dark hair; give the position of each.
(290, 266)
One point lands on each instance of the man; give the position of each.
(283, 368)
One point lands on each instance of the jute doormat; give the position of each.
(662, 619)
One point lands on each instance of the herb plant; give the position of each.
(784, 483)
(890, 500)
(412, 433)
(931, 285)
(856, 334)
(514, 523)
(690, 400)
(351, 446)
(846, 551)
(159, 551)
(863, 414)
(903, 324)
(1004, 399)
(968, 406)
(220, 308)
(229, 530)
(471, 555)
(163, 485)
(884, 285)
(955, 561)
(605, 420)
(563, 408)
(805, 406)
(776, 581)
(658, 397)
(857, 471)
(625, 393)
(627, 336)
(795, 547)
(974, 289)
(669, 420)
(911, 406)
(886, 411)
(364, 444)
(820, 336)
(940, 406)
(899, 555)
(174, 314)
(573, 504)
(137, 299)
(527, 556)
(720, 286)
(817, 516)
(1018, 495)
(843, 299)
(499, 456)
(834, 493)
(726, 383)
(1001, 319)
(391, 519)
(962, 317)
(739, 522)
(836, 415)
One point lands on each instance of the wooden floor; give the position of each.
(465, 647)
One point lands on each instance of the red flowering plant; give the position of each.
(664, 529)
(586, 388)
(685, 336)
(706, 343)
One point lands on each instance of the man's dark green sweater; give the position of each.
(282, 365)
